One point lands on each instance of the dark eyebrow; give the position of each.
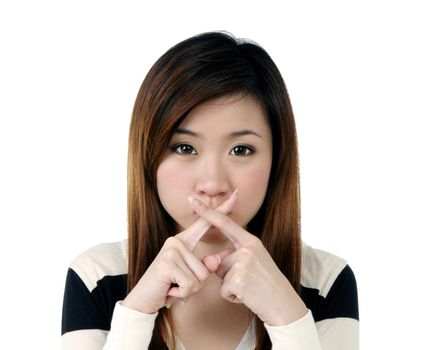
(230, 135)
(185, 132)
(243, 132)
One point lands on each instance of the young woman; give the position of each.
(214, 257)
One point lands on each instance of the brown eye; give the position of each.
(183, 149)
(242, 151)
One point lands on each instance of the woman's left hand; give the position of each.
(250, 275)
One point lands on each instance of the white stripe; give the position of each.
(107, 259)
(320, 269)
(339, 333)
(87, 339)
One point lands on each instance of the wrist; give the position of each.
(131, 304)
(291, 316)
(291, 309)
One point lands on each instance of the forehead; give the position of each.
(228, 111)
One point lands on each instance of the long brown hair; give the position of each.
(200, 68)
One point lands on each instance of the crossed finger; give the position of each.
(222, 222)
(191, 236)
(194, 233)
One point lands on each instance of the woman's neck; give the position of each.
(208, 247)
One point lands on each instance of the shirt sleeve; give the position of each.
(299, 335)
(81, 310)
(337, 317)
(130, 329)
(87, 323)
(332, 324)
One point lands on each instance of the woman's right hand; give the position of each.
(176, 273)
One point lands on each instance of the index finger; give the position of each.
(222, 222)
(192, 234)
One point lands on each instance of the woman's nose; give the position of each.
(212, 181)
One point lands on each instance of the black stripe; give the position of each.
(85, 310)
(341, 301)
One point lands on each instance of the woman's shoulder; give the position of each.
(95, 281)
(320, 269)
(328, 286)
(101, 260)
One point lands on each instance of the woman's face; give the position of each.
(221, 145)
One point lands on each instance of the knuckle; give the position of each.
(163, 267)
(190, 285)
(238, 266)
(239, 282)
(170, 254)
(256, 242)
(183, 293)
(172, 241)
(246, 252)
(169, 242)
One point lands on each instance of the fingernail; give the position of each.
(195, 202)
(235, 192)
(218, 258)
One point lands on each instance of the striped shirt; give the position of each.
(93, 317)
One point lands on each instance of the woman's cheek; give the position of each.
(173, 190)
(171, 177)
(250, 200)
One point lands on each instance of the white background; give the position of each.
(69, 74)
